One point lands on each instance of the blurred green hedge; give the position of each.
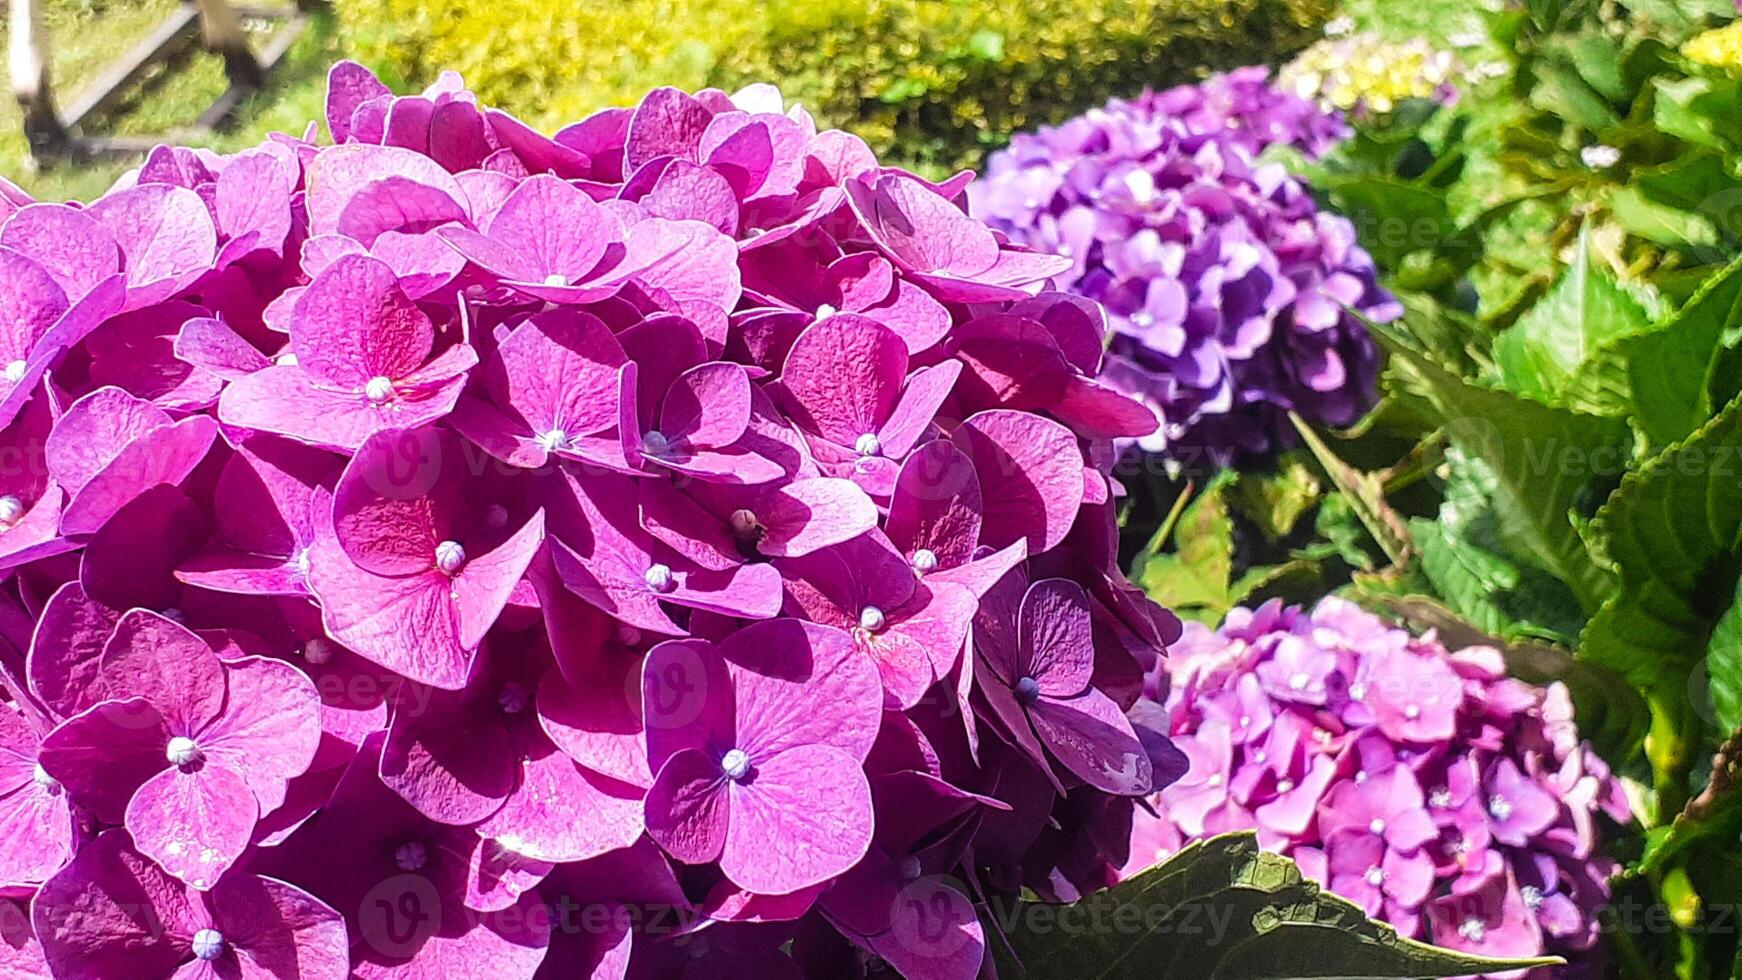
(927, 82)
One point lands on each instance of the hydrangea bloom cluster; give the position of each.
(1424, 785)
(1368, 75)
(1232, 298)
(671, 547)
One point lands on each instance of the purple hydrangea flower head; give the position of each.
(1443, 797)
(1232, 299)
(419, 540)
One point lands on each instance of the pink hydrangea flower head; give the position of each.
(1425, 785)
(433, 550)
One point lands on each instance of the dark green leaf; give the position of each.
(1463, 557)
(1586, 309)
(1724, 666)
(1670, 532)
(1193, 579)
(1542, 458)
(1668, 367)
(1221, 909)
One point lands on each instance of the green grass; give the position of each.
(87, 35)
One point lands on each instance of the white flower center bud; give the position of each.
(1285, 786)
(44, 780)
(1473, 929)
(1375, 876)
(513, 698)
(1027, 690)
(659, 578)
(552, 441)
(1440, 799)
(735, 764)
(450, 556)
(15, 371)
(182, 751)
(925, 560)
(825, 311)
(411, 856)
(868, 445)
(655, 443)
(556, 279)
(11, 509)
(1499, 808)
(1142, 319)
(1377, 826)
(1532, 896)
(744, 524)
(871, 619)
(1299, 681)
(302, 563)
(287, 359)
(208, 944)
(1412, 711)
(318, 650)
(379, 389)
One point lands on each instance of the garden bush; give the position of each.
(931, 81)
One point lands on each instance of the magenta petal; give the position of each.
(1031, 473)
(597, 723)
(691, 266)
(103, 754)
(406, 624)
(925, 393)
(797, 683)
(112, 915)
(708, 406)
(270, 728)
(280, 929)
(1093, 739)
(937, 505)
(484, 585)
(68, 242)
(687, 807)
(166, 235)
(353, 323)
(336, 175)
(166, 455)
(212, 345)
(538, 820)
(668, 122)
(454, 760)
(844, 407)
(348, 86)
(193, 823)
(1056, 637)
(805, 515)
(801, 818)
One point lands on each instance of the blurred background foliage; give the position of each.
(932, 83)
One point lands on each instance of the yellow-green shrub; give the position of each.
(925, 81)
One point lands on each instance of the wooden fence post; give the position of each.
(28, 63)
(224, 35)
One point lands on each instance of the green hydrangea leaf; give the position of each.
(1587, 308)
(1220, 909)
